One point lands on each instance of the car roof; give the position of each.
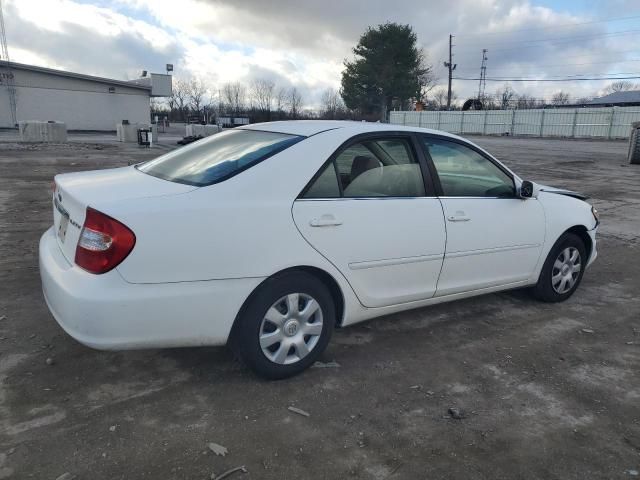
(308, 128)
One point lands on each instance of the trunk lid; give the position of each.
(74, 192)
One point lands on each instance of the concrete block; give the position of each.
(129, 133)
(634, 144)
(38, 131)
(195, 130)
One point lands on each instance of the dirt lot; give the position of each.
(550, 391)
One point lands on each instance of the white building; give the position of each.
(83, 102)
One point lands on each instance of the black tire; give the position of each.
(544, 290)
(247, 331)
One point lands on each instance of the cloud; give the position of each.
(304, 43)
(86, 39)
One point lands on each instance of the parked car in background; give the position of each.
(269, 236)
(230, 121)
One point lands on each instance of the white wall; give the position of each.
(81, 104)
(607, 122)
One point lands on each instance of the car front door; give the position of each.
(371, 214)
(493, 237)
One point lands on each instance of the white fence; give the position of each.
(610, 122)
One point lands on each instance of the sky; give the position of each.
(304, 43)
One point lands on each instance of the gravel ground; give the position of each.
(544, 391)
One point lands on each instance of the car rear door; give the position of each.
(493, 236)
(371, 211)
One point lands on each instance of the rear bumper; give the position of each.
(106, 312)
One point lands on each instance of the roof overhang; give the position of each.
(78, 76)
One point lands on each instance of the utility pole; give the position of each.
(451, 66)
(483, 75)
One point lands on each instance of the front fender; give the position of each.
(563, 213)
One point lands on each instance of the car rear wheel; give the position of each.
(285, 326)
(562, 270)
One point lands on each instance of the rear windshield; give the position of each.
(218, 157)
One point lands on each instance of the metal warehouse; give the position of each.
(83, 102)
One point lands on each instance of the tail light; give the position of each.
(104, 242)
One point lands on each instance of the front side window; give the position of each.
(372, 168)
(218, 157)
(463, 172)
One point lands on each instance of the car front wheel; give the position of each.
(285, 326)
(562, 270)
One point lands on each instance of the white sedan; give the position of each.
(268, 236)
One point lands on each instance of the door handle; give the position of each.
(458, 218)
(325, 221)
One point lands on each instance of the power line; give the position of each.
(567, 65)
(564, 42)
(571, 38)
(545, 79)
(531, 97)
(554, 27)
(570, 75)
(635, 50)
(591, 74)
(562, 75)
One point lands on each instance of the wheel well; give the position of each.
(581, 231)
(331, 284)
(324, 277)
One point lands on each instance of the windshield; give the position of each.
(218, 157)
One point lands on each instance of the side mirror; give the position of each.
(526, 189)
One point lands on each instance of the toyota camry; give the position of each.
(268, 236)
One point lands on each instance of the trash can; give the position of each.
(144, 137)
(634, 143)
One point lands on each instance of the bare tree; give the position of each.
(294, 102)
(171, 100)
(489, 102)
(439, 97)
(332, 105)
(525, 101)
(196, 91)
(262, 94)
(179, 96)
(221, 107)
(582, 100)
(505, 96)
(427, 79)
(158, 107)
(234, 95)
(560, 98)
(619, 86)
(281, 100)
(210, 106)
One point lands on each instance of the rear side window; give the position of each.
(384, 167)
(218, 157)
(325, 185)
